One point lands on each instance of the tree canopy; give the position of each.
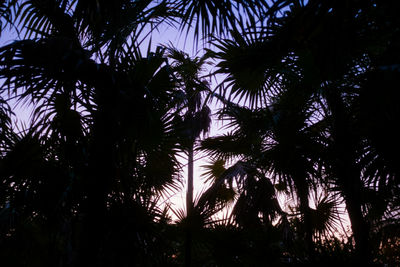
(307, 91)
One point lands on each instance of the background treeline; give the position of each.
(310, 93)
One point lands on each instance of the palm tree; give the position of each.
(196, 117)
(104, 114)
(279, 144)
(291, 49)
(271, 82)
(86, 109)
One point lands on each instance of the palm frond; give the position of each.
(253, 66)
(227, 147)
(7, 12)
(208, 17)
(213, 170)
(325, 216)
(44, 17)
(111, 26)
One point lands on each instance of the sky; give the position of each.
(186, 43)
(164, 36)
(218, 128)
(167, 35)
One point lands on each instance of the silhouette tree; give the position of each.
(196, 116)
(320, 50)
(314, 84)
(103, 132)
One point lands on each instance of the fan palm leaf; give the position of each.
(209, 17)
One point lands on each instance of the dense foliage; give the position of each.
(308, 91)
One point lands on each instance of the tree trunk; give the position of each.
(189, 193)
(189, 208)
(360, 229)
(348, 174)
(351, 186)
(303, 192)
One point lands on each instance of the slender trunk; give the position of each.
(189, 193)
(303, 192)
(351, 187)
(189, 208)
(348, 174)
(360, 229)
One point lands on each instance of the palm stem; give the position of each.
(189, 207)
(189, 193)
